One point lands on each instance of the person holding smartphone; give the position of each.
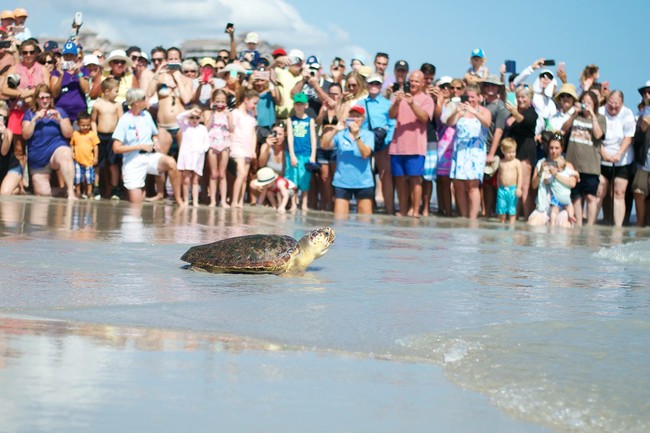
(71, 83)
(468, 161)
(544, 88)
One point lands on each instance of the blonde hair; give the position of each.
(508, 144)
(525, 89)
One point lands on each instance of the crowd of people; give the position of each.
(285, 130)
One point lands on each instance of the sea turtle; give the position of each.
(260, 254)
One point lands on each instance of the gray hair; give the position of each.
(134, 95)
(189, 64)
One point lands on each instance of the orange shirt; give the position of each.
(83, 147)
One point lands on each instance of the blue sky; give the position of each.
(440, 32)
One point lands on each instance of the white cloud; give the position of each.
(148, 23)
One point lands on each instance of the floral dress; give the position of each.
(468, 160)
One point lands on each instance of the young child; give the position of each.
(250, 54)
(219, 124)
(277, 189)
(194, 143)
(301, 140)
(85, 150)
(560, 193)
(509, 178)
(478, 72)
(104, 116)
(243, 142)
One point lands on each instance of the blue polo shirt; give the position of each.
(377, 110)
(352, 170)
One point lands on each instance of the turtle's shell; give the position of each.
(249, 254)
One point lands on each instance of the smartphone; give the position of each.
(173, 66)
(262, 75)
(67, 65)
(549, 62)
(5, 44)
(511, 98)
(18, 29)
(78, 19)
(407, 87)
(511, 67)
(228, 27)
(395, 87)
(206, 75)
(561, 65)
(605, 86)
(464, 98)
(348, 122)
(274, 134)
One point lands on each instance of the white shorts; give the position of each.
(135, 171)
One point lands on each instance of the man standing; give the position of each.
(491, 88)
(381, 63)
(412, 110)
(286, 80)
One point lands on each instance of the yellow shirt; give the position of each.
(83, 147)
(288, 82)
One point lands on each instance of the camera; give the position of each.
(13, 81)
(5, 44)
(67, 65)
(312, 73)
(464, 98)
(407, 87)
(583, 106)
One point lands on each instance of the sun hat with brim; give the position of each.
(207, 61)
(364, 71)
(232, 67)
(265, 175)
(645, 86)
(117, 55)
(492, 79)
(567, 89)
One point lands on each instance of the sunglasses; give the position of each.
(157, 59)
(456, 87)
(190, 71)
(134, 58)
(27, 53)
(119, 62)
(445, 86)
(194, 117)
(646, 91)
(223, 57)
(44, 98)
(48, 62)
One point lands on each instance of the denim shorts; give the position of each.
(358, 193)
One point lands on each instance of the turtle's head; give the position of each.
(320, 240)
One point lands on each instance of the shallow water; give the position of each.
(551, 327)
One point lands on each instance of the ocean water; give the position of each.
(550, 327)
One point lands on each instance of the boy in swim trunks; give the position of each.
(509, 178)
(105, 114)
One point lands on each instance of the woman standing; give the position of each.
(450, 92)
(520, 126)
(616, 166)
(585, 130)
(468, 161)
(353, 177)
(71, 84)
(47, 131)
